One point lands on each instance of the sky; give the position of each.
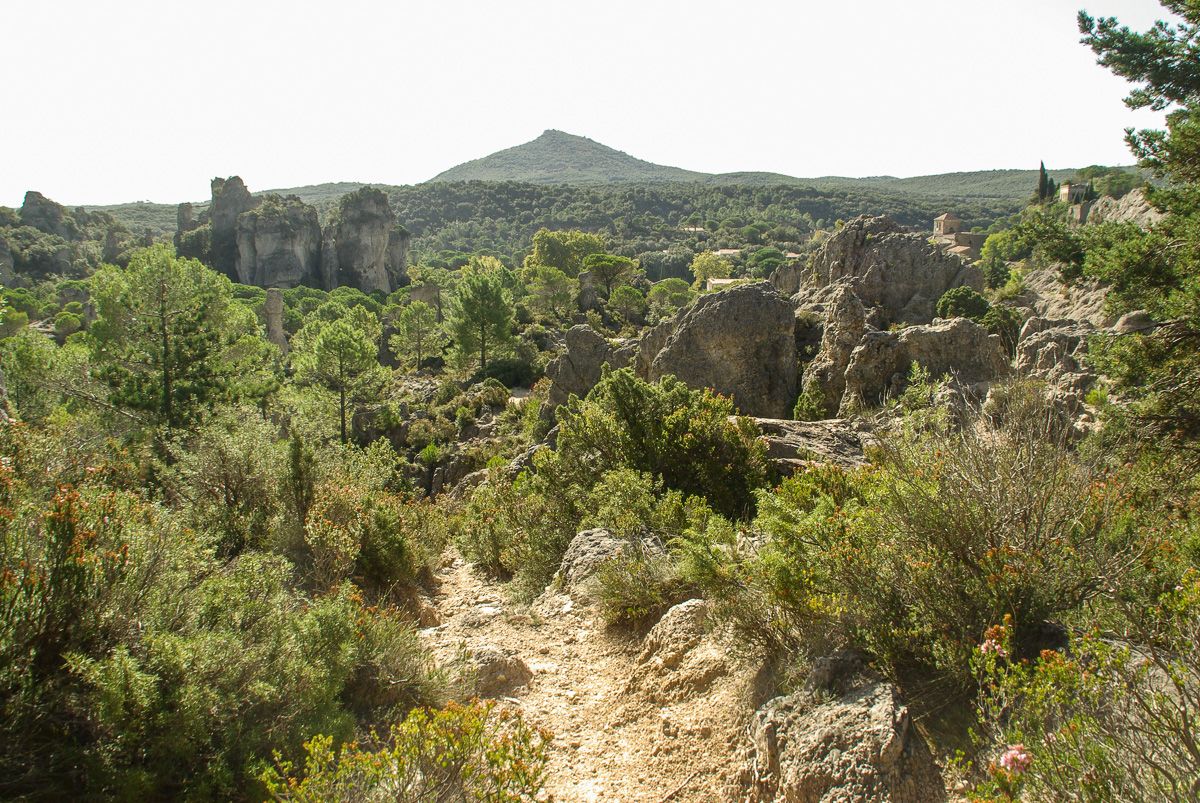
(111, 101)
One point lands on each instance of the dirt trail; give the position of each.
(625, 729)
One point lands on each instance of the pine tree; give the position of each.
(481, 310)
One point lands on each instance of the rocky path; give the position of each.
(655, 719)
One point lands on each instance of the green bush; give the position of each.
(687, 438)
(962, 302)
(469, 754)
(912, 560)
(1005, 322)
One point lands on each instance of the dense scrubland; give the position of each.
(216, 550)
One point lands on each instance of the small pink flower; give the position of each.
(1016, 759)
(990, 645)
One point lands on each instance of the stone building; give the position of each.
(948, 232)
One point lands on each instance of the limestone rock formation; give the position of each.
(1082, 300)
(740, 342)
(278, 244)
(577, 368)
(47, 216)
(680, 629)
(1054, 351)
(496, 671)
(230, 198)
(898, 276)
(880, 364)
(847, 737)
(792, 445)
(273, 313)
(1134, 207)
(7, 274)
(845, 323)
(591, 549)
(359, 242)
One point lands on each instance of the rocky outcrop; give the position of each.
(577, 369)
(273, 315)
(587, 552)
(1054, 351)
(7, 271)
(358, 242)
(1082, 300)
(5, 416)
(739, 342)
(397, 256)
(846, 737)
(792, 445)
(679, 630)
(898, 276)
(279, 244)
(47, 216)
(230, 199)
(880, 364)
(845, 324)
(1134, 207)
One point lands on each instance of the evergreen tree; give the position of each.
(164, 335)
(339, 355)
(1043, 190)
(480, 316)
(418, 327)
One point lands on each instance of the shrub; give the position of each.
(1005, 322)
(913, 560)
(687, 438)
(637, 589)
(472, 754)
(962, 302)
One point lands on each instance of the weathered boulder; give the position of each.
(497, 671)
(591, 549)
(679, 630)
(845, 323)
(739, 342)
(959, 347)
(273, 314)
(279, 244)
(577, 369)
(230, 198)
(1138, 321)
(846, 737)
(898, 276)
(792, 445)
(358, 241)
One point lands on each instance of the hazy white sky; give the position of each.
(121, 100)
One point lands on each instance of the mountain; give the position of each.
(560, 158)
(557, 157)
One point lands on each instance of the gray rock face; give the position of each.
(1138, 321)
(1134, 208)
(591, 549)
(360, 240)
(792, 445)
(1082, 300)
(397, 256)
(1055, 351)
(577, 369)
(273, 313)
(47, 216)
(845, 323)
(860, 745)
(880, 364)
(898, 276)
(7, 274)
(230, 198)
(279, 244)
(739, 342)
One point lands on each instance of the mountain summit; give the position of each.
(557, 157)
